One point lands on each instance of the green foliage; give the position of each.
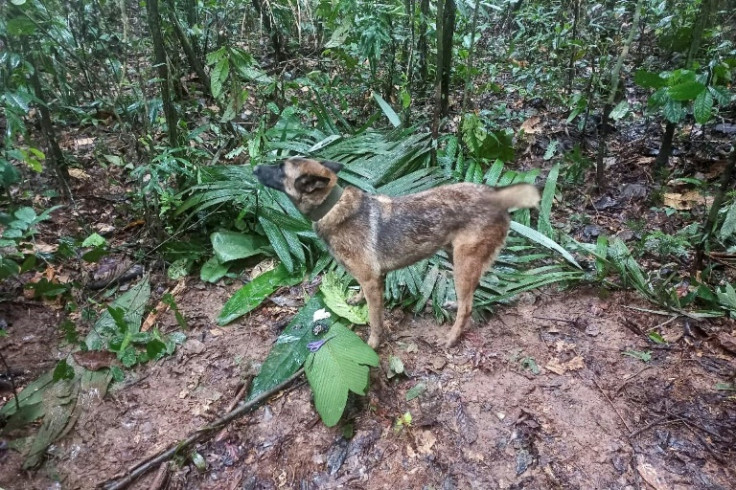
(335, 297)
(675, 89)
(338, 364)
(118, 330)
(252, 294)
(19, 230)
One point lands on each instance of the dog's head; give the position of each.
(307, 182)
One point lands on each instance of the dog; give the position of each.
(371, 235)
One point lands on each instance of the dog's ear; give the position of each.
(334, 166)
(309, 183)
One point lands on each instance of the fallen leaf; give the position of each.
(532, 125)
(561, 368)
(649, 474)
(727, 341)
(83, 144)
(162, 307)
(79, 174)
(685, 200)
(425, 441)
(94, 360)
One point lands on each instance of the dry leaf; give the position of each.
(425, 441)
(532, 125)
(83, 143)
(79, 174)
(685, 200)
(561, 368)
(727, 341)
(262, 267)
(94, 360)
(162, 307)
(649, 474)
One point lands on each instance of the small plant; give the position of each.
(16, 238)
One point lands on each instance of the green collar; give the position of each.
(321, 211)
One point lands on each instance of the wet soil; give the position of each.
(539, 396)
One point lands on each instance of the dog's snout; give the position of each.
(270, 176)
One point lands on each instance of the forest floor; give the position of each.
(540, 395)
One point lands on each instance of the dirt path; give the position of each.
(539, 397)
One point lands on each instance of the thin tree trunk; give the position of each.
(422, 45)
(159, 56)
(726, 182)
(192, 57)
(665, 150)
(471, 53)
(448, 31)
(600, 169)
(701, 22)
(273, 32)
(438, 81)
(55, 159)
(576, 8)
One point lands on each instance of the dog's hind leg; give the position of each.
(372, 289)
(472, 253)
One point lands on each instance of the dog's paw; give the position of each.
(357, 298)
(451, 340)
(374, 341)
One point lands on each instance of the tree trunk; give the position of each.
(422, 44)
(660, 164)
(710, 222)
(55, 159)
(188, 49)
(159, 56)
(701, 22)
(471, 52)
(273, 30)
(448, 31)
(600, 169)
(576, 8)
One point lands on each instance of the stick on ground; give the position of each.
(143, 467)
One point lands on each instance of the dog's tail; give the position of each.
(517, 196)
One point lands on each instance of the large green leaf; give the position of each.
(537, 237)
(703, 107)
(686, 91)
(729, 223)
(674, 112)
(334, 297)
(387, 110)
(218, 76)
(648, 79)
(544, 225)
(213, 270)
(131, 304)
(252, 294)
(290, 350)
(231, 245)
(340, 365)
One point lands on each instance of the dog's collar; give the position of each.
(321, 211)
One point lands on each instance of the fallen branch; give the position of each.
(141, 468)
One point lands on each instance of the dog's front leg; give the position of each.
(372, 289)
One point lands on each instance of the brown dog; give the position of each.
(371, 235)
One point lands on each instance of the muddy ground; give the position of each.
(539, 396)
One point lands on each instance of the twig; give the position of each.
(610, 402)
(662, 420)
(571, 322)
(159, 481)
(244, 388)
(626, 380)
(12, 381)
(151, 462)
